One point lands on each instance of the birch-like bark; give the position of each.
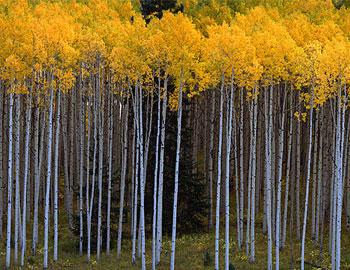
(81, 163)
(110, 154)
(307, 182)
(253, 178)
(100, 111)
(314, 177)
(319, 179)
(161, 174)
(298, 172)
(9, 182)
(339, 173)
(37, 155)
(92, 194)
(25, 177)
(268, 123)
(56, 187)
(176, 184)
(142, 183)
(133, 250)
(2, 90)
(211, 158)
(218, 183)
(239, 242)
(123, 175)
(289, 164)
(229, 106)
(17, 169)
(48, 184)
(155, 182)
(279, 179)
(241, 176)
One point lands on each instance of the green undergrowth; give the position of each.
(195, 251)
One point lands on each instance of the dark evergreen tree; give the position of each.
(155, 8)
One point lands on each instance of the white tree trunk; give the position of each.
(161, 175)
(218, 183)
(176, 184)
(56, 187)
(48, 184)
(307, 183)
(17, 169)
(279, 179)
(289, 164)
(253, 178)
(110, 154)
(100, 110)
(26, 175)
(155, 183)
(9, 183)
(229, 104)
(123, 175)
(211, 158)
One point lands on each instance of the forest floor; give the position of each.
(192, 251)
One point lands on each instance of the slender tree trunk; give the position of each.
(229, 104)
(142, 183)
(123, 175)
(268, 123)
(314, 177)
(2, 90)
(17, 169)
(218, 183)
(155, 183)
(177, 164)
(289, 164)
(110, 154)
(136, 191)
(319, 179)
(100, 111)
(48, 184)
(25, 178)
(161, 174)
(279, 179)
(241, 176)
(36, 175)
(9, 183)
(81, 163)
(239, 242)
(307, 182)
(254, 159)
(56, 180)
(211, 159)
(298, 172)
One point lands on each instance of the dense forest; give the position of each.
(192, 134)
